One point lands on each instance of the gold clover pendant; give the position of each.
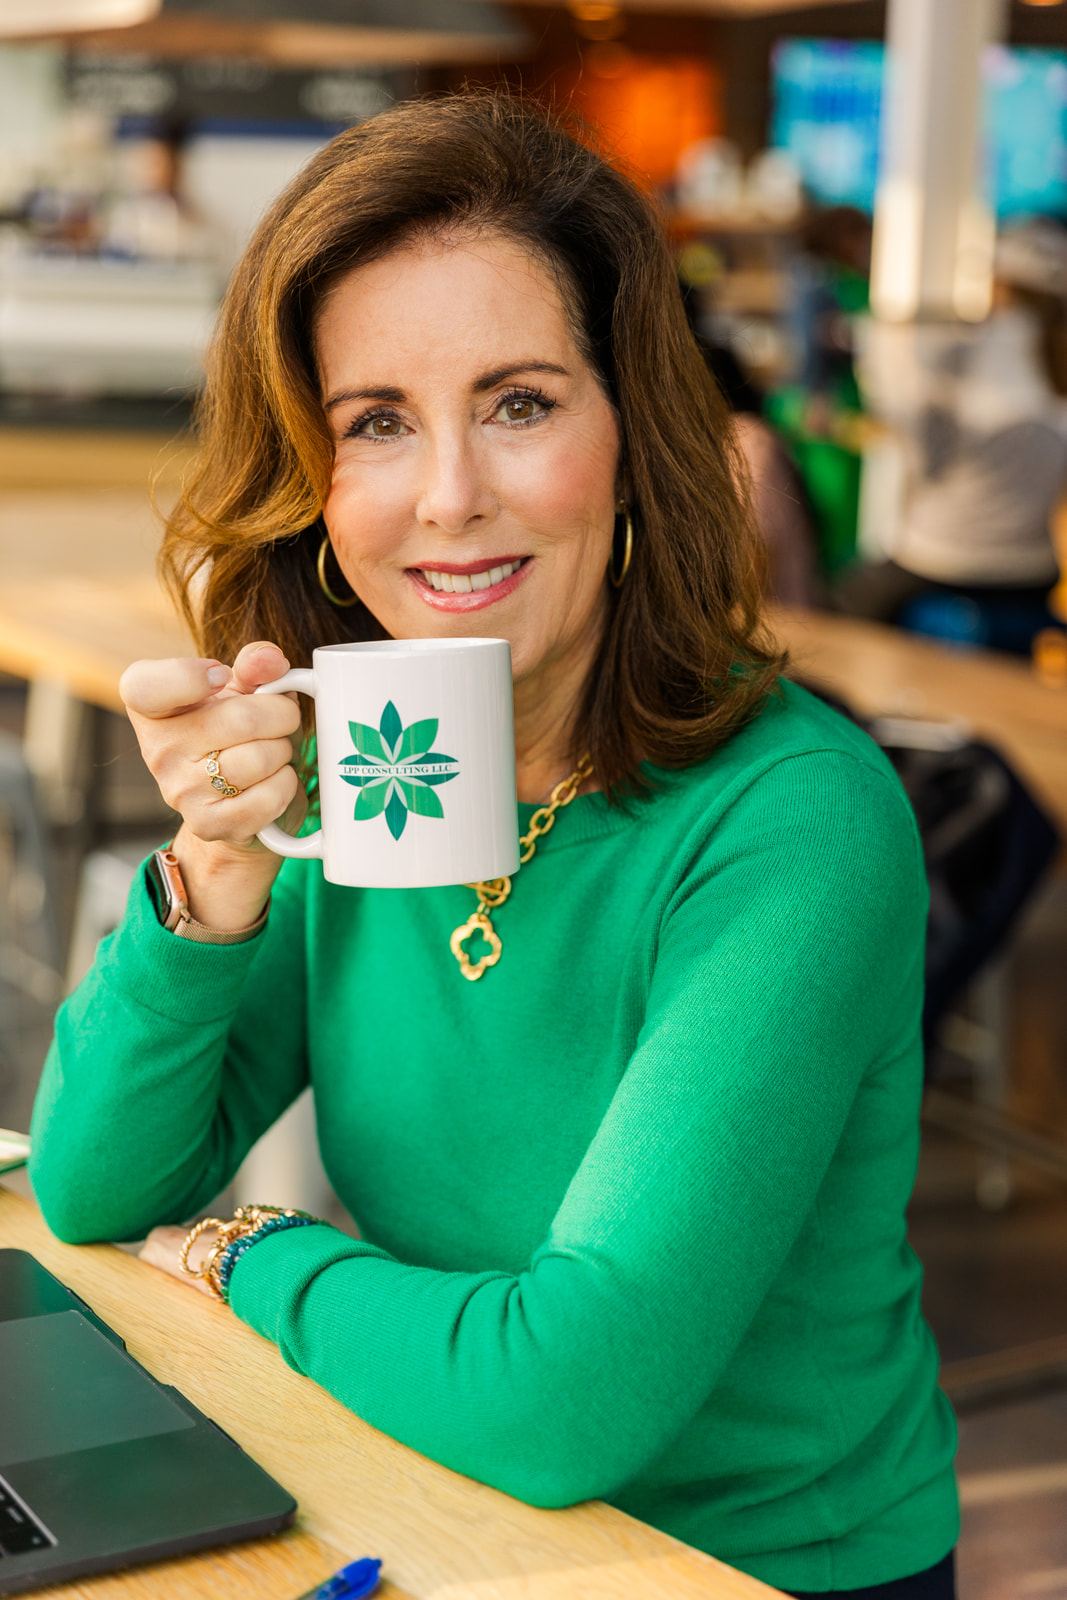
(478, 922)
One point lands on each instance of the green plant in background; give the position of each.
(396, 770)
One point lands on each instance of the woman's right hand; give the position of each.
(181, 711)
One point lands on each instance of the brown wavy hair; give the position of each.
(684, 661)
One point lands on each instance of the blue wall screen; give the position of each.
(827, 97)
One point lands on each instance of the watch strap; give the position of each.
(200, 933)
(173, 908)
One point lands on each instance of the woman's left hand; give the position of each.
(161, 1249)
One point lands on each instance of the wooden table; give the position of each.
(881, 671)
(360, 1493)
(78, 593)
(79, 598)
(78, 540)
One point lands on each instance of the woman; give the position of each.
(632, 1204)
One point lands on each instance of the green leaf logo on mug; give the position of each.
(396, 770)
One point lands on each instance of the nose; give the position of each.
(455, 495)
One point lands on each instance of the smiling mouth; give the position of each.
(469, 581)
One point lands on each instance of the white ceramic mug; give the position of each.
(416, 760)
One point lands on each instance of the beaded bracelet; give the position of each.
(246, 1227)
(236, 1249)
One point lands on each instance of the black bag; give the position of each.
(986, 841)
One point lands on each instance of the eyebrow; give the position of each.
(486, 380)
(390, 395)
(489, 380)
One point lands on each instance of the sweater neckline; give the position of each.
(591, 816)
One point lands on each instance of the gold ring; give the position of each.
(223, 785)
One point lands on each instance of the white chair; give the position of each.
(29, 925)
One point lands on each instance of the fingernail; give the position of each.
(217, 676)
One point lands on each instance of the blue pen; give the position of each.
(358, 1578)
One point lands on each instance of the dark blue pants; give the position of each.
(936, 1583)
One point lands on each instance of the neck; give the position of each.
(545, 709)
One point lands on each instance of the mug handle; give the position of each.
(308, 848)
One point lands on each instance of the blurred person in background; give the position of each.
(780, 507)
(829, 278)
(156, 220)
(816, 409)
(981, 413)
(779, 503)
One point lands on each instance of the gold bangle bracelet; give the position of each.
(190, 1239)
(245, 1220)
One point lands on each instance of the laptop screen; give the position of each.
(64, 1386)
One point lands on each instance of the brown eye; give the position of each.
(522, 408)
(377, 425)
(380, 426)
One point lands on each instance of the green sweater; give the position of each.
(632, 1205)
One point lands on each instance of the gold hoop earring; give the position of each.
(320, 567)
(619, 578)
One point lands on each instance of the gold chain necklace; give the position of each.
(492, 894)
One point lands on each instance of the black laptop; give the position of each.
(100, 1465)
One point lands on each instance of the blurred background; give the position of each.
(867, 202)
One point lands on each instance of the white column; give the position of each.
(933, 229)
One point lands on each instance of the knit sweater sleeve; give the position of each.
(168, 1062)
(789, 963)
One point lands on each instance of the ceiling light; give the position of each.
(593, 19)
(62, 16)
(285, 33)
